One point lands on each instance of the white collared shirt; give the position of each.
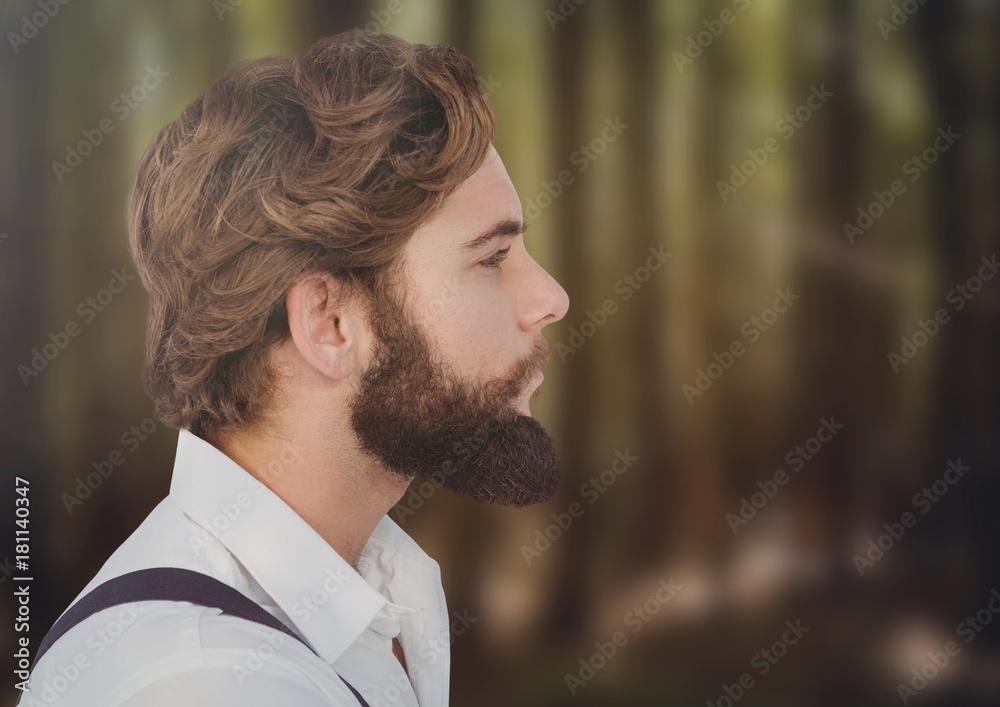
(221, 521)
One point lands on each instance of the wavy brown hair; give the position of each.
(284, 166)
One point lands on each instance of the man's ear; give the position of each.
(325, 325)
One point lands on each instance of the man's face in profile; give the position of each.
(445, 395)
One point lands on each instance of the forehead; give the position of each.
(485, 198)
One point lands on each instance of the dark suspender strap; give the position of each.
(168, 584)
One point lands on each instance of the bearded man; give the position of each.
(340, 300)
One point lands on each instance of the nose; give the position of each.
(548, 301)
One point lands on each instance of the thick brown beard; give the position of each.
(420, 420)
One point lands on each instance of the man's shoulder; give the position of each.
(122, 643)
(158, 647)
(165, 538)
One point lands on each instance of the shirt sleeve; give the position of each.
(221, 687)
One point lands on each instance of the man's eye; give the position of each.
(493, 262)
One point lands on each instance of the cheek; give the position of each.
(475, 331)
(492, 331)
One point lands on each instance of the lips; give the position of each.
(533, 385)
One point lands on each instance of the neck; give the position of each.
(341, 492)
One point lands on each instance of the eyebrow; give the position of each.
(506, 227)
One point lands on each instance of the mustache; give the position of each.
(510, 386)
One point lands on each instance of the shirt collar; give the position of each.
(327, 600)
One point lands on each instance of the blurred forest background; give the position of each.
(765, 145)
